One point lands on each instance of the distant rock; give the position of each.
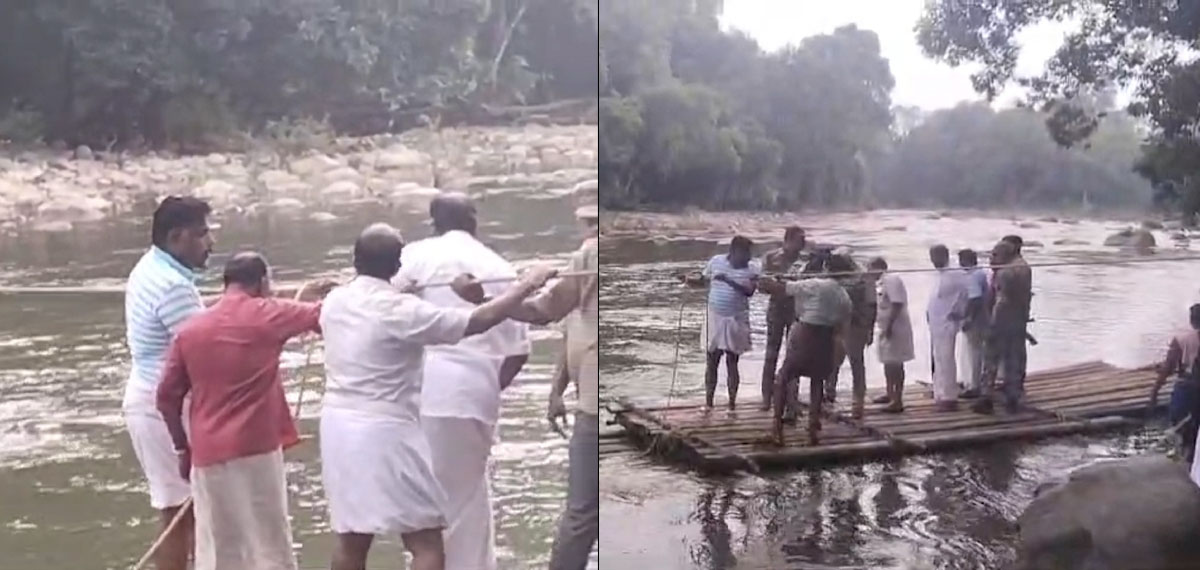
(1152, 225)
(83, 152)
(895, 229)
(215, 191)
(1049, 220)
(1136, 238)
(1032, 243)
(1141, 513)
(1069, 241)
(313, 164)
(322, 217)
(341, 191)
(1029, 225)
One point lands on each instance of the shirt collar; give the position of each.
(162, 256)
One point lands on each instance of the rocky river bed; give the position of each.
(57, 190)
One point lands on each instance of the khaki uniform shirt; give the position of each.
(577, 300)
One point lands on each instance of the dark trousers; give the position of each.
(777, 330)
(1004, 350)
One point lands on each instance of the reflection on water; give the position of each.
(947, 511)
(71, 494)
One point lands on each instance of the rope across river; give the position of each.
(120, 289)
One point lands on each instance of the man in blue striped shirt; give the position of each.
(160, 296)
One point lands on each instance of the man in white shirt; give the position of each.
(975, 324)
(160, 296)
(460, 398)
(945, 313)
(375, 461)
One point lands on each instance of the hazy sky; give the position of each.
(920, 81)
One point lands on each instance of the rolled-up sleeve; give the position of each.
(292, 318)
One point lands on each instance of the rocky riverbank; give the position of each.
(57, 190)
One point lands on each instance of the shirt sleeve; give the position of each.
(174, 383)
(564, 295)
(292, 318)
(797, 288)
(178, 304)
(896, 292)
(413, 319)
(1172, 364)
(710, 268)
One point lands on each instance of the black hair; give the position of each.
(878, 263)
(939, 251)
(1194, 316)
(1015, 240)
(247, 269)
(816, 262)
(839, 264)
(792, 231)
(740, 242)
(452, 211)
(968, 257)
(377, 251)
(177, 212)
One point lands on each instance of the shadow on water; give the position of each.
(71, 494)
(946, 511)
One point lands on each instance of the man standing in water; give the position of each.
(781, 311)
(1005, 344)
(822, 312)
(375, 459)
(945, 313)
(975, 326)
(895, 344)
(732, 279)
(227, 359)
(160, 296)
(460, 397)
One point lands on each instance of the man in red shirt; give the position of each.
(227, 357)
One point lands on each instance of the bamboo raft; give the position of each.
(1083, 398)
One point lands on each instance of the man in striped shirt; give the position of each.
(160, 296)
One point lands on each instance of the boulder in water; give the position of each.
(1139, 238)
(83, 152)
(1142, 512)
(1152, 225)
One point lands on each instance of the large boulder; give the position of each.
(1138, 238)
(1141, 513)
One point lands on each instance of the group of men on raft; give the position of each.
(833, 310)
(414, 371)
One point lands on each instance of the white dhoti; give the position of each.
(970, 358)
(1196, 463)
(241, 510)
(942, 337)
(730, 334)
(378, 474)
(461, 448)
(155, 451)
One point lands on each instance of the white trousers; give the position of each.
(942, 338)
(155, 451)
(970, 359)
(241, 510)
(461, 448)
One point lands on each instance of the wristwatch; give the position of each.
(183, 451)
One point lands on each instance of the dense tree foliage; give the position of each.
(1146, 46)
(973, 156)
(697, 116)
(118, 71)
(693, 115)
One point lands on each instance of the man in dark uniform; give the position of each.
(781, 311)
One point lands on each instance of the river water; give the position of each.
(71, 493)
(946, 511)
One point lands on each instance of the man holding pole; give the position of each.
(460, 396)
(160, 296)
(227, 359)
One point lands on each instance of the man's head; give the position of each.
(1016, 242)
(877, 266)
(741, 249)
(839, 264)
(794, 239)
(377, 251)
(940, 256)
(1003, 253)
(817, 263)
(967, 258)
(1194, 316)
(453, 211)
(249, 272)
(180, 228)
